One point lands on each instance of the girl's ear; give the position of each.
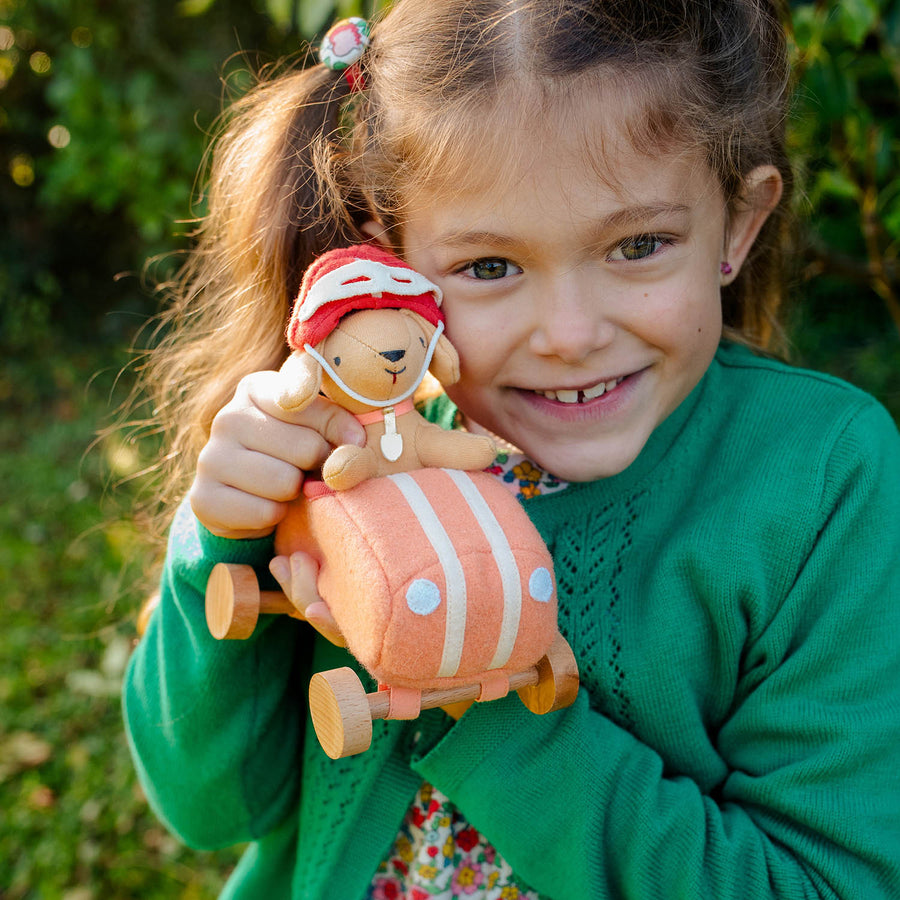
(376, 232)
(301, 378)
(762, 191)
(445, 362)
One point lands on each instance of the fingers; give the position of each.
(258, 453)
(232, 513)
(297, 575)
(334, 425)
(262, 423)
(229, 463)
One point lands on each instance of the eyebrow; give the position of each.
(476, 238)
(630, 216)
(621, 219)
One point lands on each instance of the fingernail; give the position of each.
(354, 434)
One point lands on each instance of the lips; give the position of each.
(582, 395)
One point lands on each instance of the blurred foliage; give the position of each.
(104, 108)
(845, 143)
(74, 823)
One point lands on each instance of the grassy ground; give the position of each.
(74, 824)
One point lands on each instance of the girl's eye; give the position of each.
(639, 247)
(490, 269)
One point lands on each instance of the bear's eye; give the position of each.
(337, 360)
(422, 341)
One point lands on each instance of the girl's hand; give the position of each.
(297, 576)
(258, 453)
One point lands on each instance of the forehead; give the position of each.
(365, 326)
(576, 159)
(605, 128)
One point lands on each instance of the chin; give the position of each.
(591, 467)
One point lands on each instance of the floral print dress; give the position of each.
(438, 856)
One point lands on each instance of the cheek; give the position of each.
(481, 339)
(689, 316)
(475, 356)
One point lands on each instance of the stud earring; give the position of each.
(725, 268)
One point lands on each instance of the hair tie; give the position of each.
(342, 48)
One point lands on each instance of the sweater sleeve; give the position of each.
(214, 726)
(808, 805)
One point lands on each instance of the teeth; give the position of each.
(597, 391)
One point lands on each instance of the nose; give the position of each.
(393, 355)
(572, 319)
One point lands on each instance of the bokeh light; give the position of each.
(40, 62)
(21, 169)
(59, 136)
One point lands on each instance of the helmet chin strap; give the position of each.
(429, 353)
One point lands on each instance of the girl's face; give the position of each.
(584, 304)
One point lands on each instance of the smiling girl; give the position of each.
(597, 188)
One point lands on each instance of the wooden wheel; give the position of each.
(340, 712)
(232, 601)
(557, 683)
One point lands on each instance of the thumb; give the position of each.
(297, 574)
(300, 378)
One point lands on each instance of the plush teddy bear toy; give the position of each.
(365, 331)
(427, 569)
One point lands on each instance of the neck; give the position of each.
(376, 415)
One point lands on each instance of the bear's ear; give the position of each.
(301, 378)
(445, 362)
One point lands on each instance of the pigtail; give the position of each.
(275, 200)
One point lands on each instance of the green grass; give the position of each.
(74, 823)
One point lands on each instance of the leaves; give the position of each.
(855, 19)
(845, 145)
(316, 14)
(22, 750)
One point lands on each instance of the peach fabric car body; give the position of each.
(435, 577)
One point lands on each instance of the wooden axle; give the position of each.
(342, 711)
(380, 701)
(234, 602)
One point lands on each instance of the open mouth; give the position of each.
(592, 393)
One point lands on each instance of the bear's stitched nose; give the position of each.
(393, 355)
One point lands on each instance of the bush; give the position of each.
(845, 143)
(103, 113)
